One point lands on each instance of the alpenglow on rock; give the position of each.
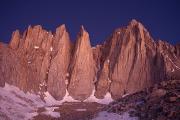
(82, 68)
(128, 61)
(57, 75)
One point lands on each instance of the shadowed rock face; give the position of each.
(129, 61)
(2, 79)
(177, 50)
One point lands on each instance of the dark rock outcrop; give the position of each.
(160, 102)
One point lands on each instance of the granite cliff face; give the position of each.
(58, 69)
(82, 68)
(132, 62)
(127, 62)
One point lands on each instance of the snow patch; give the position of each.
(80, 110)
(51, 48)
(109, 80)
(124, 95)
(66, 82)
(43, 84)
(52, 114)
(106, 100)
(51, 101)
(17, 105)
(104, 115)
(36, 47)
(68, 98)
(50, 111)
(67, 74)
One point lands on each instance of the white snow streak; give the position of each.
(36, 47)
(173, 62)
(51, 101)
(80, 110)
(125, 95)
(106, 100)
(50, 111)
(51, 49)
(113, 116)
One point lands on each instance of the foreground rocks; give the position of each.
(130, 60)
(161, 102)
(73, 111)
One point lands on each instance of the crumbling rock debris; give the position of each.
(163, 105)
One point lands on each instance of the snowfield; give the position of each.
(107, 98)
(113, 116)
(51, 101)
(17, 105)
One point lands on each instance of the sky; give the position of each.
(99, 17)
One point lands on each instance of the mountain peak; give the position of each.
(128, 62)
(61, 28)
(134, 22)
(82, 30)
(14, 43)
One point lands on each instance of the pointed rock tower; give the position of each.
(58, 75)
(82, 68)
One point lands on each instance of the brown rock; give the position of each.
(158, 93)
(26, 66)
(2, 79)
(177, 50)
(103, 82)
(82, 68)
(58, 74)
(127, 62)
(173, 99)
(15, 40)
(134, 62)
(171, 58)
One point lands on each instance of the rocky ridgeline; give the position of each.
(161, 102)
(128, 61)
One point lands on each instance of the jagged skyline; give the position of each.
(100, 18)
